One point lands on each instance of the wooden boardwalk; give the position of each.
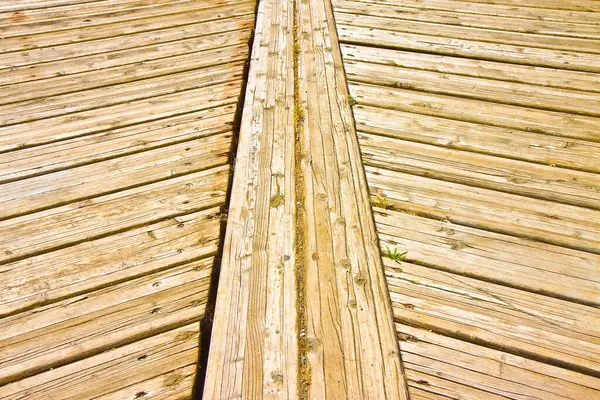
(465, 133)
(479, 130)
(116, 124)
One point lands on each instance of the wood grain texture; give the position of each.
(469, 114)
(118, 119)
(300, 221)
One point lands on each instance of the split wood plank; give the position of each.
(588, 29)
(549, 222)
(89, 149)
(62, 84)
(346, 345)
(519, 177)
(86, 182)
(581, 14)
(49, 107)
(518, 94)
(575, 5)
(93, 218)
(569, 60)
(105, 119)
(254, 349)
(477, 111)
(118, 43)
(18, 5)
(511, 261)
(215, 34)
(78, 327)
(553, 331)
(441, 365)
(86, 37)
(500, 142)
(94, 264)
(159, 367)
(131, 12)
(525, 39)
(575, 80)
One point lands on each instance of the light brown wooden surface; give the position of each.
(117, 121)
(302, 306)
(479, 130)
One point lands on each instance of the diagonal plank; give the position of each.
(302, 306)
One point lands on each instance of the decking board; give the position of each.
(117, 120)
(463, 140)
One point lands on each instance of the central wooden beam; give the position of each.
(302, 305)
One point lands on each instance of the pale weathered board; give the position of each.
(479, 129)
(117, 121)
(302, 307)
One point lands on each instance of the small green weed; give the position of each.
(395, 254)
(381, 202)
(351, 100)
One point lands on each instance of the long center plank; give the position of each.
(302, 306)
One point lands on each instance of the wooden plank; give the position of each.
(518, 94)
(582, 12)
(88, 122)
(123, 93)
(93, 218)
(466, 367)
(85, 150)
(119, 43)
(550, 330)
(548, 222)
(501, 142)
(496, 173)
(92, 265)
(507, 260)
(60, 20)
(576, 5)
(215, 35)
(86, 182)
(579, 25)
(17, 5)
(81, 326)
(576, 80)
(62, 84)
(85, 36)
(160, 367)
(303, 228)
(477, 111)
(528, 39)
(568, 60)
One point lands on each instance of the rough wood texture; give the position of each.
(116, 121)
(479, 129)
(302, 306)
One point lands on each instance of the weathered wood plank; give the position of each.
(94, 264)
(518, 94)
(501, 142)
(123, 93)
(478, 111)
(511, 261)
(200, 37)
(160, 367)
(85, 150)
(553, 331)
(568, 60)
(539, 181)
(559, 224)
(464, 369)
(85, 38)
(302, 218)
(73, 223)
(576, 80)
(527, 39)
(105, 119)
(61, 84)
(43, 338)
(585, 27)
